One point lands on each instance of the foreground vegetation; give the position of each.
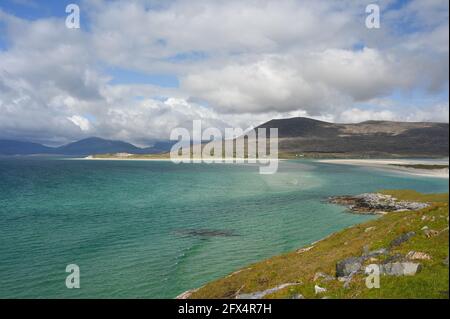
(302, 266)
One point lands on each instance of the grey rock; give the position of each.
(430, 233)
(446, 261)
(401, 268)
(319, 290)
(401, 239)
(298, 296)
(375, 203)
(394, 258)
(375, 253)
(323, 276)
(347, 284)
(348, 266)
(261, 294)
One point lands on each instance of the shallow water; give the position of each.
(155, 229)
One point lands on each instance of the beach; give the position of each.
(398, 165)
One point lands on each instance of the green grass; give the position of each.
(431, 282)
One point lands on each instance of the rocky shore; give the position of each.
(409, 252)
(375, 203)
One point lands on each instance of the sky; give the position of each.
(136, 69)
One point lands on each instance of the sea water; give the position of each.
(153, 229)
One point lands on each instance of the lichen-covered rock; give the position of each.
(375, 253)
(323, 276)
(401, 268)
(417, 255)
(430, 233)
(348, 266)
(401, 239)
(261, 294)
(375, 203)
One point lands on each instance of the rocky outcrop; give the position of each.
(186, 294)
(349, 266)
(417, 255)
(401, 239)
(400, 268)
(322, 276)
(376, 253)
(393, 265)
(261, 294)
(375, 203)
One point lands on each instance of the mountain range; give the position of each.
(367, 139)
(88, 146)
(297, 136)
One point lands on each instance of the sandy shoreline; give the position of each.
(389, 165)
(191, 160)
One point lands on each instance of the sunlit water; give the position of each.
(155, 229)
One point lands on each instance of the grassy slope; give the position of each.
(431, 282)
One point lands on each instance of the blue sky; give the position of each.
(137, 68)
(33, 10)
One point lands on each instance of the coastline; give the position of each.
(314, 271)
(395, 165)
(164, 159)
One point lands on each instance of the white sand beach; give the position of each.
(394, 165)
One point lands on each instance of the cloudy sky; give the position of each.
(138, 68)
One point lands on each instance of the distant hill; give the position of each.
(308, 137)
(10, 147)
(88, 146)
(297, 137)
(95, 145)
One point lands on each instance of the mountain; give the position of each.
(10, 147)
(95, 145)
(297, 137)
(88, 146)
(304, 136)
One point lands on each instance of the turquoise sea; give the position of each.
(142, 229)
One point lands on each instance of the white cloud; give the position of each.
(239, 64)
(82, 122)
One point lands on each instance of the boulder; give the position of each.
(321, 275)
(394, 258)
(368, 229)
(302, 250)
(401, 268)
(430, 233)
(401, 239)
(414, 255)
(348, 266)
(262, 294)
(375, 253)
